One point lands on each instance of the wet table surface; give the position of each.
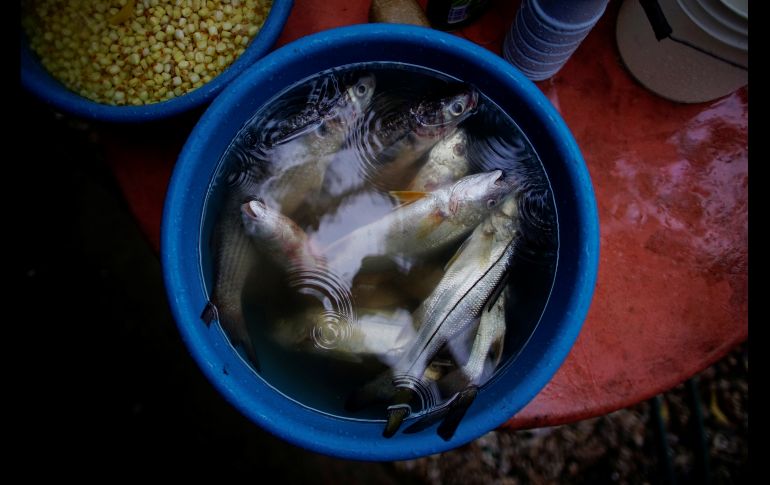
(671, 186)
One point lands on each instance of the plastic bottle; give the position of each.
(454, 14)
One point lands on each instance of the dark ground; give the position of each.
(111, 386)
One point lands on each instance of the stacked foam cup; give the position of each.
(545, 33)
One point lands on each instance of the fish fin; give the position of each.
(251, 355)
(318, 90)
(457, 253)
(237, 338)
(404, 197)
(302, 130)
(399, 410)
(244, 342)
(429, 419)
(456, 412)
(499, 288)
(496, 350)
(454, 382)
(396, 415)
(430, 223)
(209, 314)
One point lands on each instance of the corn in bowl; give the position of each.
(139, 52)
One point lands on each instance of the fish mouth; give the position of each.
(251, 207)
(433, 130)
(494, 179)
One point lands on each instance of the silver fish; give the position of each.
(376, 334)
(484, 350)
(477, 271)
(447, 162)
(434, 221)
(287, 245)
(234, 253)
(234, 259)
(278, 237)
(300, 159)
(390, 142)
(485, 353)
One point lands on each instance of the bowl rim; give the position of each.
(46, 87)
(285, 421)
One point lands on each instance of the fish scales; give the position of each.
(437, 220)
(300, 161)
(447, 162)
(235, 257)
(395, 136)
(471, 279)
(454, 311)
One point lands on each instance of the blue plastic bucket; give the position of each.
(563, 317)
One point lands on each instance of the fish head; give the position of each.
(503, 220)
(439, 115)
(357, 97)
(480, 192)
(258, 218)
(360, 93)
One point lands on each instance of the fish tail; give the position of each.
(396, 415)
(240, 338)
(450, 413)
(234, 328)
(251, 354)
(398, 411)
(209, 313)
(456, 412)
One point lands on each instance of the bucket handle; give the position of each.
(663, 30)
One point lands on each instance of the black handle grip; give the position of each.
(657, 19)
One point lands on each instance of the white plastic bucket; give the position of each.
(680, 72)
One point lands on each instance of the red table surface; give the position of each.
(671, 187)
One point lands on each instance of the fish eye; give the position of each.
(361, 89)
(491, 203)
(457, 108)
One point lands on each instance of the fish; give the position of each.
(375, 334)
(300, 158)
(473, 280)
(447, 162)
(396, 135)
(486, 351)
(462, 383)
(434, 221)
(287, 245)
(324, 95)
(235, 255)
(234, 258)
(278, 237)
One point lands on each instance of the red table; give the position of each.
(671, 186)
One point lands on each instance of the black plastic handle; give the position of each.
(657, 19)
